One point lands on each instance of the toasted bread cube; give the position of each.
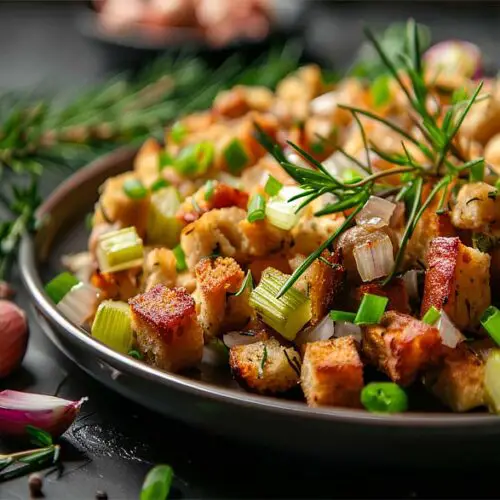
(265, 367)
(332, 373)
(458, 281)
(215, 278)
(147, 162)
(395, 291)
(159, 267)
(459, 381)
(431, 225)
(116, 207)
(477, 207)
(401, 346)
(168, 334)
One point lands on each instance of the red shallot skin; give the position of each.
(13, 337)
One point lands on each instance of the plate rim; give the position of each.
(31, 280)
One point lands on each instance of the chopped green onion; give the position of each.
(351, 176)
(431, 316)
(118, 250)
(491, 323)
(195, 159)
(163, 226)
(263, 361)
(135, 354)
(288, 314)
(209, 190)
(113, 326)
(59, 286)
(159, 184)
(256, 208)
(165, 160)
(492, 380)
(371, 309)
(180, 258)
(384, 397)
(178, 132)
(459, 95)
(476, 172)
(134, 189)
(348, 317)
(273, 186)
(157, 484)
(235, 156)
(247, 283)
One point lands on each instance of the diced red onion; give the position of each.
(455, 57)
(238, 338)
(374, 259)
(51, 414)
(324, 330)
(346, 329)
(376, 213)
(450, 335)
(80, 303)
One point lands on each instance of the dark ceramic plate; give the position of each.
(209, 398)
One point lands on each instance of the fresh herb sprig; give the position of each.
(21, 463)
(44, 135)
(444, 161)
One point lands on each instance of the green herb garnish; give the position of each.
(134, 189)
(157, 483)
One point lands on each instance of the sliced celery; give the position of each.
(288, 314)
(113, 327)
(119, 250)
(163, 226)
(492, 380)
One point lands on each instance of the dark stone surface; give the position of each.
(114, 442)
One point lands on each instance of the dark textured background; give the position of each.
(115, 442)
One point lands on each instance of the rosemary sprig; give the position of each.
(438, 148)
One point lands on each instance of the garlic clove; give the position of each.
(49, 413)
(13, 337)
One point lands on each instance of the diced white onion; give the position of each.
(237, 338)
(337, 164)
(325, 104)
(345, 329)
(324, 330)
(376, 213)
(80, 264)
(230, 180)
(450, 335)
(281, 212)
(410, 279)
(80, 303)
(374, 259)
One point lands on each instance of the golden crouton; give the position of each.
(265, 367)
(458, 281)
(115, 206)
(332, 373)
(222, 196)
(147, 162)
(117, 286)
(239, 100)
(168, 334)
(459, 381)
(159, 267)
(228, 232)
(401, 346)
(325, 282)
(430, 226)
(395, 291)
(477, 207)
(216, 278)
